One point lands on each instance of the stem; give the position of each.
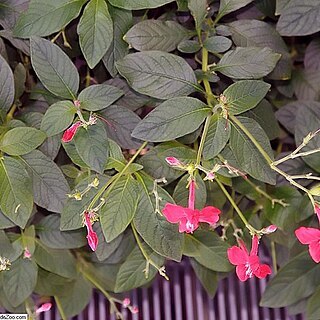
(252, 138)
(62, 314)
(274, 256)
(308, 176)
(203, 138)
(11, 112)
(236, 208)
(115, 178)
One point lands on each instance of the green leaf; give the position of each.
(247, 154)
(217, 44)
(208, 249)
(45, 17)
(308, 120)
(189, 46)
(120, 207)
(255, 33)
(58, 117)
(131, 273)
(313, 308)
(16, 200)
(54, 68)
(99, 96)
(158, 74)
(50, 234)
(95, 31)
(21, 140)
(172, 119)
(139, 4)
(58, 261)
(73, 154)
(156, 35)
(122, 21)
(92, 146)
(20, 280)
(248, 63)
(245, 95)
(162, 236)
(217, 136)
(6, 85)
(199, 11)
(227, 6)
(50, 188)
(207, 277)
(20, 77)
(295, 281)
(299, 18)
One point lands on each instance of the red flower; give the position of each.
(43, 308)
(189, 218)
(91, 236)
(70, 132)
(248, 265)
(310, 236)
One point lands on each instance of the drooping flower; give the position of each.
(44, 307)
(71, 131)
(189, 218)
(91, 235)
(310, 236)
(248, 265)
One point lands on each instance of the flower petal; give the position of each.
(173, 212)
(70, 132)
(241, 272)
(262, 271)
(237, 256)
(307, 235)
(209, 215)
(92, 240)
(314, 250)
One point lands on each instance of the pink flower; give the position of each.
(71, 131)
(134, 310)
(45, 307)
(189, 218)
(77, 103)
(126, 302)
(270, 229)
(248, 265)
(26, 254)
(317, 210)
(310, 236)
(172, 161)
(91, 236)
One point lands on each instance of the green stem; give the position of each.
(203, 138)
(62, 314)
(11, 113)
(115, 178)
(236, 208)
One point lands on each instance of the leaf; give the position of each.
(217, 44)
(189, 46)
(10, 11)
(156, 35)
(299, 18)
(312, 55)
(308, 120)
(247, 154)
(121, 122)
(305, 83)
(120, 207)
(162, 236)
(50, 188)
(16, 200)
(199, 11)
(58, 261)
(6, 85)
(21, 44)
(158, 74)
(21, 140)
(245, 95)
(227, 6)
(122, 21)
(73, 154)
(255, 33)
(207, 248)
(95, 31)
(92, 146)
(54, 68)
(99, 96)
(20, 76)
(172, 119)
(207, 277)
(139, 4)
(217, 136)
(50, 234)
(20, 280)
(295, 281)
(313, 308)
(58, 117)
(45, 17)
(131, 273)
(248, 63)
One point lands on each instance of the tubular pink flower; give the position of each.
(43, 308)
(71, 131)
(310, 236)
(91, 236)
(172, 161)
(192, 195)
(248, 265)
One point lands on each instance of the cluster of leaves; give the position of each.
(121, 59)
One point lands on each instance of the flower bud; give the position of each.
(70, 132)
(45, 307)
(270, 229)
(172, 161)
(134, 310)
(126, 302)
